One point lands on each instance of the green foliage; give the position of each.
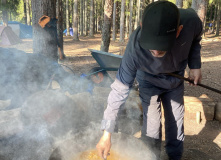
(173, 1)
(20, 12)
(186, 3)
(15, 9)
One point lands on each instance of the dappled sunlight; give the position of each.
(211, 49)
(213, 58)
(81, 47)
(217, 140)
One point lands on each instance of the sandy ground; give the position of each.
(203, 141)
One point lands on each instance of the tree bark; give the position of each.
(131, 18)
(218, 18)
(137, 20)
(126, 21)
(44, 39)
(28, 12)
(214, 18)
(114, 21)
(60, 26)
(86, 19)
(108, 8)
(95, 16)
(179, 3)
(75, 21)
(122, 18)
(67, 18)
(81, 18)
(25, 13)
(200, 7)
(91, 33)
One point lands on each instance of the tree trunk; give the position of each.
(95, 16)
(25, 13)
(114, 21)
(122, 17)
(75, 21)
(117, 17)
(200, 7)
(137, 20)
(126, 21)
(28, 12)
(141, 10)
(179, 3)
(91, 34)
(81, 18)
(86, 19)
(214, 18)
(67, 18)
(218, 18)
(60, 26)
(131, 18)
(204, 21)
(44, 39)
(102, 14)
(108, 7)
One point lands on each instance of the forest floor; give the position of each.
(203, 141)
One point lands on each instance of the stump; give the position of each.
(203, 104)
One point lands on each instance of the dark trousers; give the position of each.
(172, 100)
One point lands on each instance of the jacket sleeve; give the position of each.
(116, 98)
(194, 59)
(120, 89)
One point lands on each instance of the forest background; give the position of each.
(89, 17)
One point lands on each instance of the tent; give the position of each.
(7, 36)
(21, 30)
(71, 32)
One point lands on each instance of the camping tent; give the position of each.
(7, 36)
(21, 30)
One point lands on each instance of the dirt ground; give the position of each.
(203, 141)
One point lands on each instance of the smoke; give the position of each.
(87, 138)
(39, 118)
(33, 115)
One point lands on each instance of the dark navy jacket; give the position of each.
(186, 50)
(140, 63)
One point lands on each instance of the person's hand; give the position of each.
(195, 75)
(104, 145)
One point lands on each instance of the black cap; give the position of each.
(159, 26)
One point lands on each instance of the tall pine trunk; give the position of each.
(60, 24)
(179, 3)
(75, 21)
(44, 39)
(218, 18)
(28, 12)
(114, 21)
(214, 18)
(200, 7)
(86, 18)
(91, 33)
(122, 18)
(126, 21)
(25, 13)
(81, 18)
(131, 18)
(108, 8)
(137, 20)
(67, 18)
